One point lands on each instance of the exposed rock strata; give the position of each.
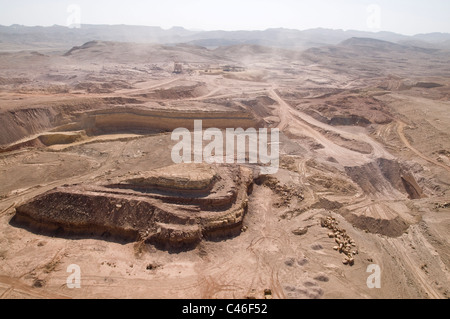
(178, 205)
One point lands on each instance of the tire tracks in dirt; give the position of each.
(268, 269)
(416, 272)
(15, 285)
(400, 127)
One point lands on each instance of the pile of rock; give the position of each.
(442, 205)
(286, 192)
(254, 294)
(345, 244)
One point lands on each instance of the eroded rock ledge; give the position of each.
(176, 206)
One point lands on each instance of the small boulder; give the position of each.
(300, 231)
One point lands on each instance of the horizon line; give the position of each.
(220, 30)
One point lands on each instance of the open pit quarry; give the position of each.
(87, 176)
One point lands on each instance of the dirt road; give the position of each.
(401, 135)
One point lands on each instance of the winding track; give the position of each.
(401, 135)
(304, 124)
(16, 286)
(418, 274)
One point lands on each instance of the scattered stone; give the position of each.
(286, 192)
(267, 294)
(442, 205)
(153, 266)
(316, 293)
(322, 277)
(289, 262)
(38, 283)
(309, 283)
(251, 295)
(300, 231)
(302, 261)
(342, 239)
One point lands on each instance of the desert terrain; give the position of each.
(87, 176)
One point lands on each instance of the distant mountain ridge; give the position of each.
(17, 36)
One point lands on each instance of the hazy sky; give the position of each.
(401, 16)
